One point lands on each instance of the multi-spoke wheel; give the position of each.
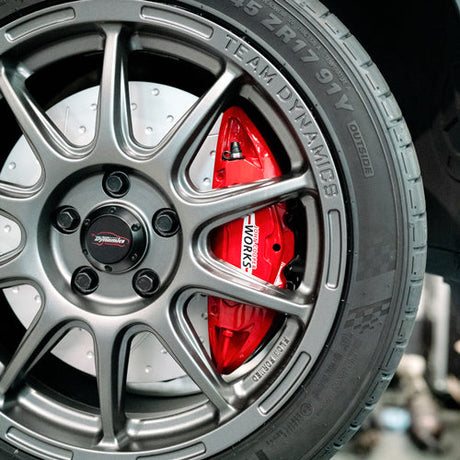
(212, 230)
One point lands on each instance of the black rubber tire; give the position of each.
(387, 222)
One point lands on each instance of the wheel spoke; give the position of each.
(112, 351)
(16, 202)
(228, 283)
(18, 260)
(43, 136)
(43, 334)
(113, 121)
(11, 245)
(181, 342)
(12, 268)
(228, 204)
(182, 142)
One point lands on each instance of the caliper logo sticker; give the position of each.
(249, 244)
(109, 239)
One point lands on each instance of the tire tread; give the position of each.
(406, 159)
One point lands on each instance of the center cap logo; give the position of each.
(109, 239)
(114, 239)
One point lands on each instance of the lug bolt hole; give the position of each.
(166, 222)
(116, 184)
(67, 219)
(146, 283)
(85, 280)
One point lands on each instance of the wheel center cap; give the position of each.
(108, 239)
(113, 239)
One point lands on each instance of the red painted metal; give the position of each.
(260, 244)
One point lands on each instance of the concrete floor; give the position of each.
(389, 439)
(397, 444)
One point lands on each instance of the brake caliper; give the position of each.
(260, 244)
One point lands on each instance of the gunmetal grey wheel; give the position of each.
(109, 215)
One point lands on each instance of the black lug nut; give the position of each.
(146, 283)
(67, 219)
(116, 184)
(85, 280)
(166, 222)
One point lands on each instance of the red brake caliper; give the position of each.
(259, 244)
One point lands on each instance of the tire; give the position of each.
(350, 175)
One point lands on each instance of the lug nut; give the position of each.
(166, 222)
(146, 283)
(85, 280)
(67, 219)
(116, 184)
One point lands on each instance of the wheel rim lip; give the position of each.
(325, 295)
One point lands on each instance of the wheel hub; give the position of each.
(113, 239)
